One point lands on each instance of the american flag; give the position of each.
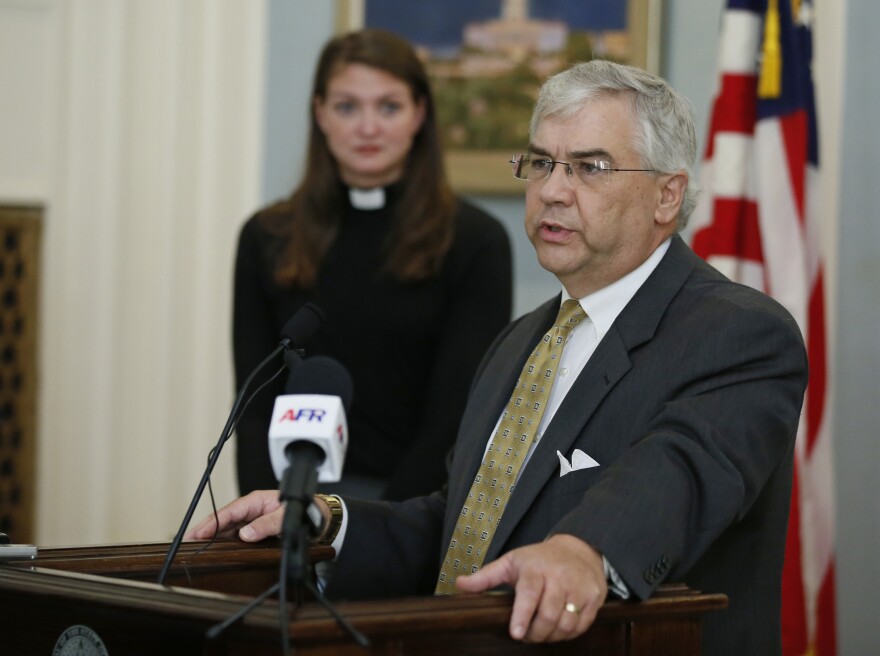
(757, 222)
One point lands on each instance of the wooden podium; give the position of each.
(108, 593)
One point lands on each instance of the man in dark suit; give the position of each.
(661, 449)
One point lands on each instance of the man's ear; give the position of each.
(672, 190)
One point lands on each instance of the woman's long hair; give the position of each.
(423, 224)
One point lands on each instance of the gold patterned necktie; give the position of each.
(506, 454)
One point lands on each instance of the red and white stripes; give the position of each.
(757, 223)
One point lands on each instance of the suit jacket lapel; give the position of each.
(635, 325)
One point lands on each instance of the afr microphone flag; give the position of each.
(758, 223)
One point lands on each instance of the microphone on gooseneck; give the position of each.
(296, 332)
(301, 326)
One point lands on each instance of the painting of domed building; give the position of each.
(488, 58)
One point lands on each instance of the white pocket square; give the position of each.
(579, 460)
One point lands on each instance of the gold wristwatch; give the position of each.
(335, 504)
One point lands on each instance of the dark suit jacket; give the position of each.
(690, 404)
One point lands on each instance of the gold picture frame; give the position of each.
(482, 169)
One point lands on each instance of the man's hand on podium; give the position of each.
(253, 517)
(560, 585)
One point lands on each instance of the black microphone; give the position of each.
(321, 375)
(301, 326)
(296, 332)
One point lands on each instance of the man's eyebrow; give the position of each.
(593, 153)
(538, 150)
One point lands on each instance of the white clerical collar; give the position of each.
(367, 199)
(604, 305)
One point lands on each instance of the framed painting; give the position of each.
(487, 59)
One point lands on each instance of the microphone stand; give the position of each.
(298, 485)
(212, 460)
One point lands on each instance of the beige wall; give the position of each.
(138, 124)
